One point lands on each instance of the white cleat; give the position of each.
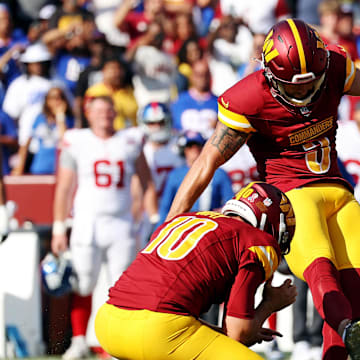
(302, 351)
(77, 350)
(273, 352)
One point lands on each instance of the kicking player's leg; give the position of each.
(313, 256)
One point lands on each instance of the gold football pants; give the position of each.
(327, 225)
(148, 335)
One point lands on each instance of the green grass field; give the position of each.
(94, 357)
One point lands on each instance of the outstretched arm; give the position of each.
(221, 146)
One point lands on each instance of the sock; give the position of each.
(333, 346)
(80, 313)
(350, 280)
(330, 301)
(272, 321)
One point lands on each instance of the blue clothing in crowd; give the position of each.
(187, 112)
(8, 128)
(47, 138)
(214, 197)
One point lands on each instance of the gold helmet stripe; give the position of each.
(299, 45)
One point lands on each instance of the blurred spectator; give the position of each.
(136, 23)
(8, 34)
(154, 70)
(227, 53)
(27, 11)
(104, 18)
(328, 15)
(203, 15)
(188, 54)
(71, 52)
(258, 15)
(161, 153)
(99, 49)
(38, 27)
(196, 109)
(307, 10)
(160, 149)
(69, 15)
(25, 95)
(114, 85)
(47, 130)
(344, 29)
(213, 197)
(9, 66)
(347, 146)
(102, 162)
(184, 29)
(255, 61)
(8, 140)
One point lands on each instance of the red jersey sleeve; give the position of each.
(242, 295)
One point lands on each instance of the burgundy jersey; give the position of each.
(192, 262)
(290, 149)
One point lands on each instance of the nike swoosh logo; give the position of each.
(226, 104)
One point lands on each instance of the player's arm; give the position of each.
(150, 198)
(64, 191)
(221, 146)
(244, 325)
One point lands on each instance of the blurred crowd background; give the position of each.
(56, 55)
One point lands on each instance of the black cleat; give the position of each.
(352, 339)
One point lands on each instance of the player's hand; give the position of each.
(266, 334)
(59, 244)
(281, 296)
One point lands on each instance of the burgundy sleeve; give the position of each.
(242, 294)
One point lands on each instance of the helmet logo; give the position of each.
(253, 197)
(267, 202)
(268, 49)
(287, 209)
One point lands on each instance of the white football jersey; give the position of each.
(348, 148)
(104, 169)
(241, 168)
(161, 161)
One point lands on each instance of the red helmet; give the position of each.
(296, 62)
(265, 207)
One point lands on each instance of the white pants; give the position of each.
(92, 241)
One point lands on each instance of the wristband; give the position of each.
(59, 227)
(154, 218)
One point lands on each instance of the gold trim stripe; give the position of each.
(233, 120)
(299, 45)
(350, 74)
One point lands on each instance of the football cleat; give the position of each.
(267, 208)
(78, 349)
(352, 339)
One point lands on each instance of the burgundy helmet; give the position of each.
(265, 207)
(294, 54)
